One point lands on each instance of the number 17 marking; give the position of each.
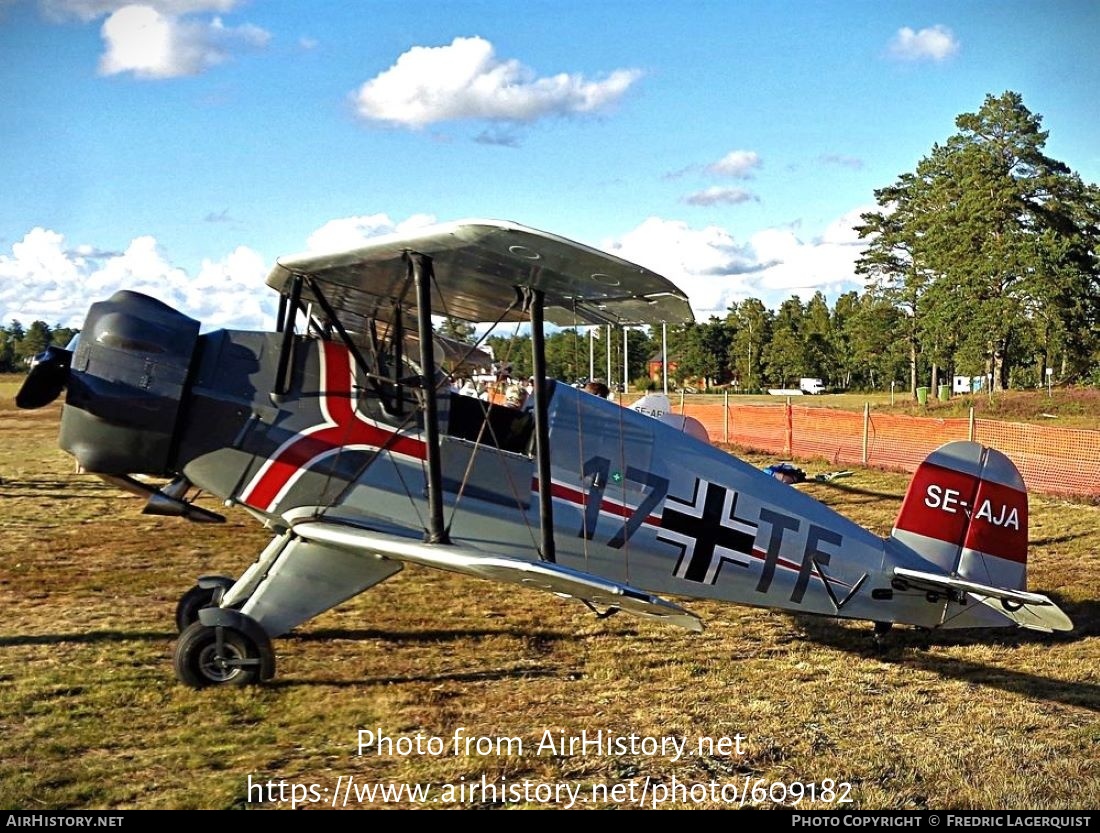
(598, 468)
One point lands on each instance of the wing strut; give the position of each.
(353, 348)
(287, 328)
(420, 268)
(399, 357)
(536, 301)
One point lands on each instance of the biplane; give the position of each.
(339, 433)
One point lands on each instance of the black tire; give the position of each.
(198, 665)
(195, 599)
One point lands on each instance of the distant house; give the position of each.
(654, 367)
(967, 384)
(654, 370)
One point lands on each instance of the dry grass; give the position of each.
(1063, 408)
(91, 716)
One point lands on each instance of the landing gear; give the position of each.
(207, 592)
(208, 655)
(879, 636)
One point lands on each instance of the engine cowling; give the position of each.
(128, 379)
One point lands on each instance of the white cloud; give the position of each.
(43, 280)
(936, 43)
(38, 276)
(739, 164)
(465, 80)
(88, 10)
(720, 196)
(707, 264)
(352, 232)
(141, 40)
(842, 231)
(792, 266)
(716, 270)
(232, 292)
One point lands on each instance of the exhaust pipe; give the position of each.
(168, 501)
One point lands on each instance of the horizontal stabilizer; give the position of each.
(1028, 610)
(539, 575)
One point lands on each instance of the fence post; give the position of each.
(726, 418)
(866, 426)
(681, 401)
(970, 436)
(788, 445)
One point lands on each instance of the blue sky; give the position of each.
(179, 146)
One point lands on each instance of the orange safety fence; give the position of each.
(1058, 461)
(819, 432)
(902, 442)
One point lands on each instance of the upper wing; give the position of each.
(478, 265)
(540, 575)
(1028, 610)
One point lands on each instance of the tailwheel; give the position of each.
(220, 655)
(207, 592)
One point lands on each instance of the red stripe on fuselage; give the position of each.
(575, 496)
(621, 510)
(343, 427)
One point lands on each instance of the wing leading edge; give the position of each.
(469, 560)
(478, 267)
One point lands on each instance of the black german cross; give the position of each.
(707, 532)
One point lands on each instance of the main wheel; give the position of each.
(219, 655)
(198, 597)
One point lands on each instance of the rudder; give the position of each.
(966, 512)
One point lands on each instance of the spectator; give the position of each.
(599, 388)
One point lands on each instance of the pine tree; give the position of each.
(989, 248)
(751, 322)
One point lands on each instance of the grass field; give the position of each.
(92, 717)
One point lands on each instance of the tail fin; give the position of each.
(966, 512)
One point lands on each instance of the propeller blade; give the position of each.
(49, 373)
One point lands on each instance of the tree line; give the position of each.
(18, 345)
(851, 344)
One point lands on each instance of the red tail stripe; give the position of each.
(998, 523)
(937, 503)
(964, 510)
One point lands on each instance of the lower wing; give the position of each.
(540, 575)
